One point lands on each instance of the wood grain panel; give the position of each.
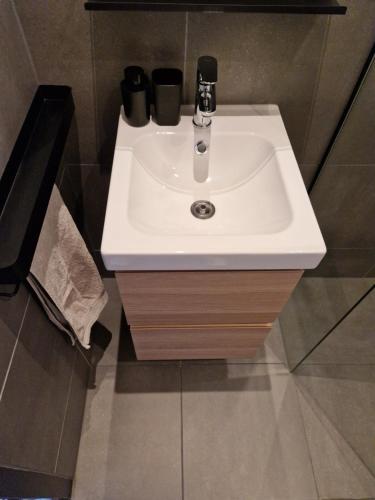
(204, 297)
(204, 342)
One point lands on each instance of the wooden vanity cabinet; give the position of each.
(202, 314)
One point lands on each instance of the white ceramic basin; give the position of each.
(263, 217)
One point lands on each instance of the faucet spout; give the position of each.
(205, 94)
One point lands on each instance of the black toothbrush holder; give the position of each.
(136, 96)
(167, 95)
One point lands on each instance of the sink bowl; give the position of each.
(263, 218)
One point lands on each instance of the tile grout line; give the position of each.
(369, 272)
(185, 53)
(14, 349)
(286, 360)
(305, 434)
(65, 413)
(94, 89)
(316, 89)
(182, 436)
(27, 48)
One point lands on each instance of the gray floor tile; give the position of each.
(343, 399)
(243, 435)
(131, 441)
(338, 408)
(69, 443)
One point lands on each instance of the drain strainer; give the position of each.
(202, 209)
(201, 148)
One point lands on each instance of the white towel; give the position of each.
(64, 275)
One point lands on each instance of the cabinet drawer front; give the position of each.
(204, 297)
(199, 342)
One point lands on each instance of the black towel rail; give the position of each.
(28, 178)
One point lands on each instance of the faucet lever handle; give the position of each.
(207, 69)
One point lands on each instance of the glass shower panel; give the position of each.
(344, 202)
(336, 389)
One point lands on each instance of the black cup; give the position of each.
(167, 92)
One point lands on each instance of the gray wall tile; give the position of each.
(131, 439)
(58, 34)
(315, 306)
(352, 342)
(262, 58)
(308, 171)
(148, 39)
(345, 262)
(349, 41)
(344, 197)
(17, 80)
(88, 187)
(34, 400)
(356, 145)
(344, 203)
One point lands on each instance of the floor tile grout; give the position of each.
(305, 434)
(189, 364)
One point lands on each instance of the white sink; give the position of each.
(263, 217)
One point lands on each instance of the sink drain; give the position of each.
(201, 148)
(202, 209)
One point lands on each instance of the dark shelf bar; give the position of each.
(272, 6)
(28, 178)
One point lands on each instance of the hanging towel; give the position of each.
(64, 275)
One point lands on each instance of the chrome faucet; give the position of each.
(205, 93)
